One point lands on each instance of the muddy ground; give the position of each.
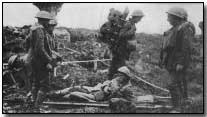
(144, 61)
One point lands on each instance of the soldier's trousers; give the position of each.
(40, 81)
(117, 62)
(178, 87)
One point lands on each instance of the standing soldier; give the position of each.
(53, 46)
(127, 34)
(110, 33)
(40, 56)
(175, 54)
(52, 25)
(52, 42)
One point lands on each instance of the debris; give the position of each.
(66, 76)
(72, 50)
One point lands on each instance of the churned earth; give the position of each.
(83, 45)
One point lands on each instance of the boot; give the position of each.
(40, 98)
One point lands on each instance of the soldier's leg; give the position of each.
(185, 85)
(30, 76)
(44, 87)
(117, 62)
(35, 86)
(25, 78)
(180, 88)
(113, 67)
(174, 89)
(183, 90)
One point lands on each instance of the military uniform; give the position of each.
(39, 56)
(50, 30)
(109, 32)
(176, 50)
(110, 35)
(127, 39)
(52, 43)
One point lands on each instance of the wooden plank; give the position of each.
(138, 106)
(77, 104)
(68, 62)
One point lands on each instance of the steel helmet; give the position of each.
(53, 22)
(44, 15)
(137, 13)
(179, 12)
(124, 70)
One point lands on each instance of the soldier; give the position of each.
(52, 42)
(109, 30)
(109, 34)
(175, 54)
(52, 25)
(115, 88)
(20, 70)
(127, 34)
(40, 56)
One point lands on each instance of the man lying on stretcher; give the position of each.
(115, 88)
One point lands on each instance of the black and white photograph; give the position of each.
(112, 57)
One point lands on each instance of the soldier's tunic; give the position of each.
(177, 50)
(110, 35)
(39, 56)
(127, 42)
(52, 42)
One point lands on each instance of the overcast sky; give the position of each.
(93, 15)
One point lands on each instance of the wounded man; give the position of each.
(115, 88)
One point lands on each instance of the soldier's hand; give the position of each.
(49, 66)
(179, 67)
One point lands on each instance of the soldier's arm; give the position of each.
(106, 33)
(38, 34)
(27, 42)
(183, 45)
(161, 50)
(127, 31)
(55, 45)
